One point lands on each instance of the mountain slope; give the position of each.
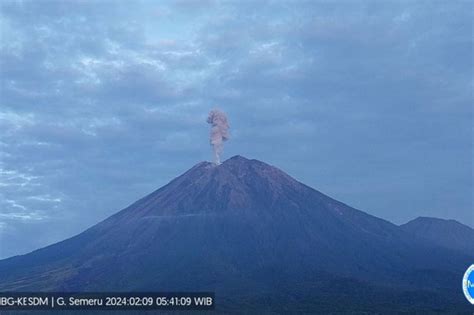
(243, 229)
(446, 233)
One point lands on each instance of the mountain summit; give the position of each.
(247, 231)
(446, 233)
(238, 183)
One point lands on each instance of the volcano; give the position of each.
(260, 240)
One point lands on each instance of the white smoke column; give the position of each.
(219, 132)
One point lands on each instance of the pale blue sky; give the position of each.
(103, 102)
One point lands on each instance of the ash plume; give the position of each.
(219, 132)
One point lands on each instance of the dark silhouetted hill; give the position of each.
(446, 233)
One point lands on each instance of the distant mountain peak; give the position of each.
(421, 220)
(446, 233)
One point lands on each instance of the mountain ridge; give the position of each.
(238, 226)
(447, 233)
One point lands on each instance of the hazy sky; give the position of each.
(103, 102)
